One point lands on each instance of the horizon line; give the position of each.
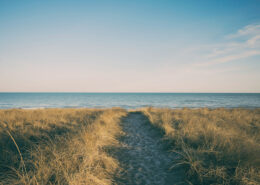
(124, 92)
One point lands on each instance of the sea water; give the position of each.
(128, 100)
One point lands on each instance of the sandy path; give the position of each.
(144, 158)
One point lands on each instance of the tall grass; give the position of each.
(58, 146)
(218, 146)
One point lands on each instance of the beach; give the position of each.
(119, 146)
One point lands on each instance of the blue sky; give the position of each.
(129, 46)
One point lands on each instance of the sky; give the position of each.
(129, 46)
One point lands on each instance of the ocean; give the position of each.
(128, 100)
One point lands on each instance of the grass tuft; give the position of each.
(58, 146)
(216, 146)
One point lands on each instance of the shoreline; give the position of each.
(130, 109)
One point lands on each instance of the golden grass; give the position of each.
(218, 146)
(68, 146)
(58, 146)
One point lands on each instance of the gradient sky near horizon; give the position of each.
(130, 46)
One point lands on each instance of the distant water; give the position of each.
(128, 100)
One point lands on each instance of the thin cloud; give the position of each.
(252, 29)
(243, 44)
(229, 58)
(253, 42)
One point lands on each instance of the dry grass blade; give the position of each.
(17, 147)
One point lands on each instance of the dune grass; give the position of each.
(58, 146)
(218, 146)
(69, 146)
